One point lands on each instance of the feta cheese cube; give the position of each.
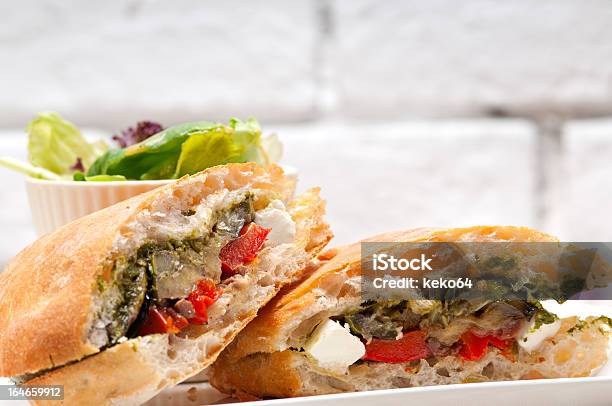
(334, 347)
(276, 218)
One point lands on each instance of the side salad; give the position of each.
(58, 151)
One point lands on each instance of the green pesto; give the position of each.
(386, 318)
(100, 283)
(504, 264)
(542, 316)
(474, 379)
(137, 278)
(132, 283)
(581, 324)
(605, 319)
(382, 319)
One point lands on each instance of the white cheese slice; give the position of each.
(530, 339)
(276, 218)
(334, 347)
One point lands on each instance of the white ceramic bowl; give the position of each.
(55, 203)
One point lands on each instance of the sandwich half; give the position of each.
(318, 336)
(129, 300)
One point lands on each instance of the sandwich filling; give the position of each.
(168, 286)
(408, 331)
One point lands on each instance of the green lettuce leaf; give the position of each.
(80, 177)
(28, 169)
(205, 150)
(263, 150)
(105, 178)
(55, 144)
(186, 149)
(271, 148)
(151, 158)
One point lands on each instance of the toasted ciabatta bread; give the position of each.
(266, 359)
(67, 317)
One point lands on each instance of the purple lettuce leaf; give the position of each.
(134, 135)
(78, 165)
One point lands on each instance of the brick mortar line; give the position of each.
(326, 94)
(548, 168)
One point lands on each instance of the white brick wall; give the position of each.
(443, 57)
(587, 190)
(383, 177)
(108, 63)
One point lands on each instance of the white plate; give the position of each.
(593, 391)
(581, 391)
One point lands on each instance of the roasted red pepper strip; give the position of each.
(499, 343)
(158, 321)
(410, 347)
(203, 296)
(178, 322)
(166, 320)
(243, 249)
(475, 347)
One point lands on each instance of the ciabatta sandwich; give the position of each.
(319, 336)
(129, 300)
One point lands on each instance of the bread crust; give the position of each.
(46, 292)
(259, 375)
(259, 362)
(55, 274)
(118, 372)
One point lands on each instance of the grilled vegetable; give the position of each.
(410, 347)
(474, 347)
(243, 249)
(382, 320)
